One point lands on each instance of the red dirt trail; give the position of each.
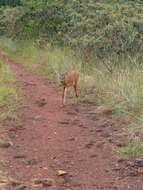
(74, 139)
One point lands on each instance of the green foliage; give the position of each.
(9, 19)
(11, 3)
(105, 27)
(90, 27)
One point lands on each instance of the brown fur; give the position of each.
(70, 79)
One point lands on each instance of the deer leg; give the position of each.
(64, 95)
(75, 91)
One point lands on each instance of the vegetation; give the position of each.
(92, 27)
(133, 149)
(8, 93)
(103, 40)
(11, 3)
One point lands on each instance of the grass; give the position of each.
(133, 149)
(8, 93)
(115, 81)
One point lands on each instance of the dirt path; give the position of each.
(74, 139)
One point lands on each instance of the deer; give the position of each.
(69, 79)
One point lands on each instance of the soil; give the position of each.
(64, 148)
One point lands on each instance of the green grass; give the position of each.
(8, 93)
(133, 149)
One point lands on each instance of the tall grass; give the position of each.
(8, 93)
(133, 149)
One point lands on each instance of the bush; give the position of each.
(89, 27)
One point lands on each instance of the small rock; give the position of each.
(89, 145)
(41, 102)
(120, 160)
(139, 162)
(110, 140)
(14, 182)
(12, 135)
(132, 173)
(64, 122)
(93, 155)
(45, 168)
(4, 163)
(115, 186)
(37, 181)
(31, 162)
(80, 160)
(19, 126)
(120, 144)
(140, 171)
(105, 134)
(99, 144)
(62, 173)
(3, 180)
(19, 156)
(38, 118)
(107, 171)
(116, 169)
(80, 125)
(46, 182)
(75, 122)
(4, 144)
(71, 139)
(21, 187)
(99, 130)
